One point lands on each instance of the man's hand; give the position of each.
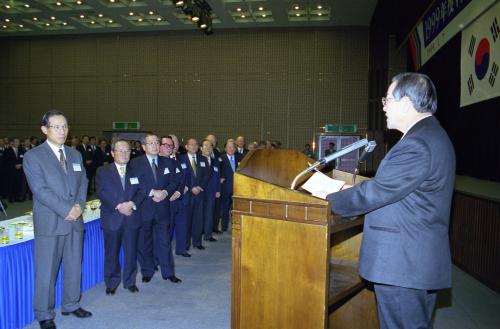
(222, 180)
(175, 196)
(74, 213)
(217, 195)
(196, 190)
(159, 196)
(186, 189)
(125, 208)
(19, 166)
(88, 162)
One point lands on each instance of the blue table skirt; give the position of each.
(17, 275)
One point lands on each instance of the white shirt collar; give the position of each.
(119, 166)
(150, 159)
(408, 129)
(56, 149)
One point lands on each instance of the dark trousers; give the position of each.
(208, 210)
(161, 230)
(197, 218)
(225, 206)
(50, 251)
(217, 215)
(404, 308)
(182, 228)
(113, 240)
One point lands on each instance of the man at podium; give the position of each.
(405, 249)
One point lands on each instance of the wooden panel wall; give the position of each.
(263, 83)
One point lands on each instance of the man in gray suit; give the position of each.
(56, 176)
(405, 250)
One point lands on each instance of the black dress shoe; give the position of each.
(110, 291)
(200, 247)
(217, 232)
(47, 324)
(184, 254)
(79, 313)
(211, 239)
(146, 279)
(172, 278)
(133, 288)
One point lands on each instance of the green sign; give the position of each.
(337, 128)
(126, 125)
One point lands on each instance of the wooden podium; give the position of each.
(294, 263)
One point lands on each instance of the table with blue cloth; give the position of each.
(17, 273)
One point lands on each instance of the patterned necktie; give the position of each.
(154, 167)
(121, 170)
(62, 161)
(232, 163)
(193, 164)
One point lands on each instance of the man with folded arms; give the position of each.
(121, 195)
(56, 176)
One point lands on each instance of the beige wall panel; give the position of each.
(329, 47)
(39, 102)
(40, 58)
(170, 103)
(85, 56)
(19, 111)
(19, 59)
(85, 113)
(63, 97)
(355, 108)
(355, 54)
(302, 51)
(173, 51)
(106, 55)
(137, 55)
(329, 101)
(107, 110)
(302, 103)
(137, 101)
(64, 59)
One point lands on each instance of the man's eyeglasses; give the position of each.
(168, 145)
(152, 143)
(58, 127)
(386, 100)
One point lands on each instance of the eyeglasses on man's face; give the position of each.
(58, 127)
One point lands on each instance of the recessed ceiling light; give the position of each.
(296, 7)
(112, 1)
(238, 9)
(92, 22)
(52, 18)
(158, 19)
(320, 7)
(64, 23)
(35, 19)
(58, 3)
(4, 26)
(243, 16)
(140, 19)
(26, 5)
(110, 21)
(7, 20)
(151, 13)
(7, 6)
(21, 25)
(297, 14)
(47, 24)
(264, 15)
(82, 16)
(131, 14)
(133, 0)
(261, 8)
(100, 15)
(78, 2)
(320, 14)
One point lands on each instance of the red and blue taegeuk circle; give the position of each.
(482, 60)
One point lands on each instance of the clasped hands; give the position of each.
(158, 195)
(74, 213)
(126, 208)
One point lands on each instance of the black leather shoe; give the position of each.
(217, 232)
(212, 239)
(133, 288)
(79, 313)
(47, 324)
(146, 279)
(184, 254)
(200, 247)
(110, 291)
(172, 278)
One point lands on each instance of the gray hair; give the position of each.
(418, 88)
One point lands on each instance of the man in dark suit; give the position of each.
(216, 156)
(121, 195)
(3, 170)
(56, 176)
(405, 250)
(88, 159)
(160, 182)
(199, 174)
(229, 164)
(241, 147)
(16, 179)
(212, 193)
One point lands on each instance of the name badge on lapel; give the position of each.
(216, 169)
(202, 164)
(166, 171)
(21, 156)
(77, 167)
(177, 170)
(183, 166)
(134, 180)
(220, 159)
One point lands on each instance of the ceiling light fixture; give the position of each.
(35, 18)
(140, 19)
(78, 2)
(7, 20)
(92, 22)
(320, 7)
(261, 8)
(52, 18)
(158, 19)
(112, 1)
(238, 9)
(296, 7)
(26, 5)
(151, 13)
(100, 15)
(197, 11)
(64, 23)
(243, 16)
(297, 14)
(82, 16)
(131, 14)
(320, 14)
(7, 6)
(47, 24)
(179, 3)
(4, 26)
(110, 21)
(58, 3)
(21, 25)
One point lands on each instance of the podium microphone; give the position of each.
(368, 149)
(329, 158)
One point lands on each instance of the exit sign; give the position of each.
(337, 128)
(126, 125)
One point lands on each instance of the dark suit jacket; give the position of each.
(54, 192)
(166, 180)
(202, 171)
(226, 172)
(407, 206)
(213, 185)
(111, 193)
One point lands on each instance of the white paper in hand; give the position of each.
(320, 185)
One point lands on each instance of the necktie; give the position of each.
(62, 161)
(232, 163)
(122, 175)
(193, 164)
(154, 168)
(209, 161)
